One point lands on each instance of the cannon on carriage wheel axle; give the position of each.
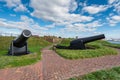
(80, 43)
(19, 45)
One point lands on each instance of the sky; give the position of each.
(65, 18)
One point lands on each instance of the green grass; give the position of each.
(65, 42)
(96, 49)
(34, 44)
(109, 74)
(110, 44)
(80, 54)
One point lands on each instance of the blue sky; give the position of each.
(65, 18)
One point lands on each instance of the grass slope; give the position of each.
(96, 49)
(105, 43)
(34, 44)
(109, 74)
(65, 42)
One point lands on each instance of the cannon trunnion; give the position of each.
(19, 45)
(80, 43)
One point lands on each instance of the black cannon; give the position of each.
(19, 45)
(80, 43)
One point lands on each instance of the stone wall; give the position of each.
(52, 39)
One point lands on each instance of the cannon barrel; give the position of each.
(93, 38)
(80, 43)
(21, 40)
(88, 39)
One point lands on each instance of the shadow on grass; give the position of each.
(68, 47)
(18, 54)
(62, 47)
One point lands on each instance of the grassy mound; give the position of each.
(95, 49)
(105, 43)
(109, 74)
(34, 44)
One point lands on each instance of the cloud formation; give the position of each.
(95, 9)
(24, 23)
(16, 4)
(115, 4)
(58, 12)
(113, 20)
(78, 27)
(69, 15)
(20, 7)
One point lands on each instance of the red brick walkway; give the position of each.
(54, 67)
(31, 72)
(58, 68)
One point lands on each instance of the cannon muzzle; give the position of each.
(21, 40)
(80, 43)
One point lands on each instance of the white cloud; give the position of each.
(12, 3)
(50, 26)
(111, 1)
(83, 4)
(20, 8)
(112, 23)
(115, 4)
(73, 5)
(116, 18)
(25, 23)
(95, 9)
(16, 4)
(57, 11)
(81, 27)
(113, 20)
(94, 24)
(26, 19)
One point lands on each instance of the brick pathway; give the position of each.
(54, 67)
(31, 72)
(58, 68)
